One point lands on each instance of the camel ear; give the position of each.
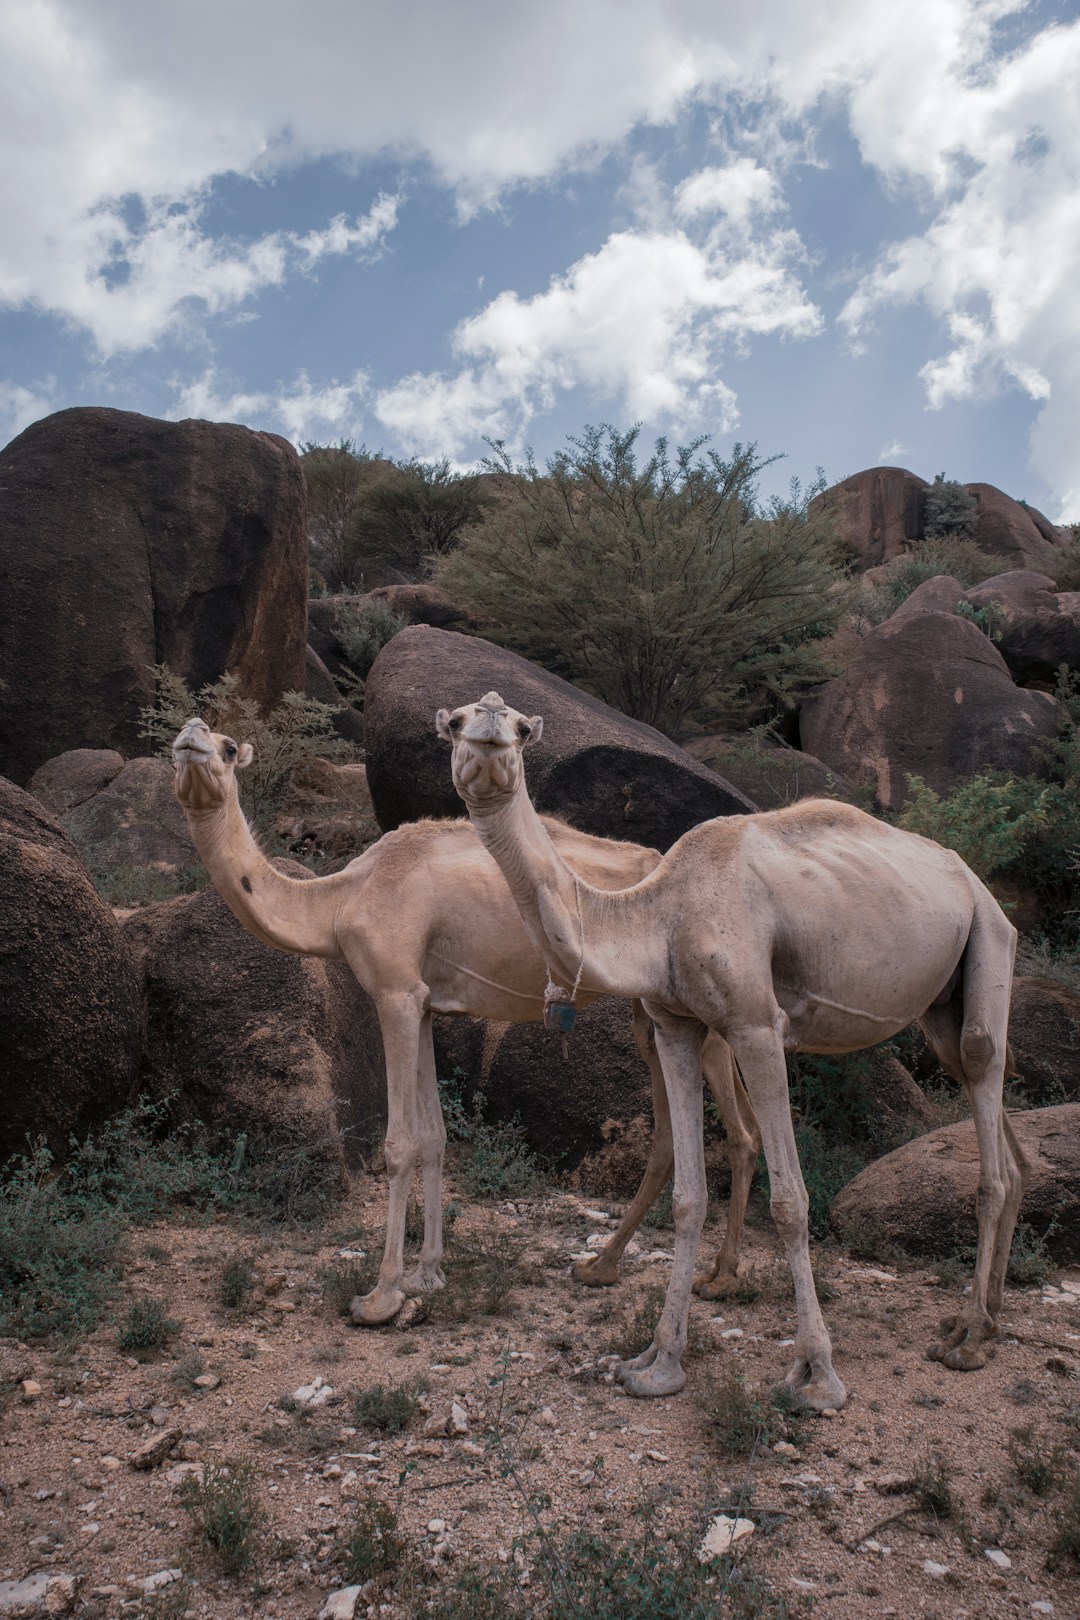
(245, 755)
(536, 730)
(442, 725)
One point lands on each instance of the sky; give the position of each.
(847, 232)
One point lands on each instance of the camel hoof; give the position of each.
(596, 1273)
(714, 1286)
(637, 1363)
(965, 1358)
(814, 1391)
(424, 1280)
(381, 1305)
(664, 1377)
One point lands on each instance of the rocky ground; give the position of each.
(518, 1422)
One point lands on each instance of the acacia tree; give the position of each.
(663, 586)
(418, 513)
(337, 478)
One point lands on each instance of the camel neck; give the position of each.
(584, 934)
(291, 914)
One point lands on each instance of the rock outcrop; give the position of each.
(1035, 627)
(922, 1197)
(69, 1035)
(928, 693)
(255, 1040)
(125, 542)
(768, 773)
(603, 772)
(879, 513)
(1044, 1033)
(519, 1071)
(133, 822)
(1008, 528)
(70, 779)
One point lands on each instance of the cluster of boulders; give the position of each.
(184, 544)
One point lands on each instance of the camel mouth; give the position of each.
(191, 753)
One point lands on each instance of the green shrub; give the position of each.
(237, 1281)
(931, 1487)
(224, 1508)
(362, 632)
(386, 1408)
(370, 1543)
(1065, 1547)
(949, 512)
(989, 821)
(1039, 1467)
(297, 729)
(60, 1250)
(662, 586)
(496, 1161)
(146, 1327)
(739, 1421)
(926, 559)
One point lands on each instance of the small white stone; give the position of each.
(352, 1254)
(784, 1448)
(732, 1333)
(936, 1572)
(722, 1534)
(547, 1416)
(597, 1240)
(312, 1395)
(1042, 1606)
(657, 1457)
(436, 1526)
(156, 1582)
(30, 1389)
(459, 1419)
(341, 1605)
(999, 1559)
(596, 1215)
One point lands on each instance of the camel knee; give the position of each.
(400, 1155)
(990, 1198)
(978, 1050)
(789, 1211)
(689, 1208)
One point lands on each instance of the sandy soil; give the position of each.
(542, 1416)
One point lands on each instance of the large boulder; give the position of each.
(927, 694)
(1035, 627)
(1044, 1033)
(769, 773)
(69, 1035)
(603, 772)
(519, 1071)
(879, 513)
(1008, 528)
(133, 823)
(72, 778)
(126, 542)
(253, 1040)
(921, 1198)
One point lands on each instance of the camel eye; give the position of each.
(524, 730)
(455, 723)
(230, 750)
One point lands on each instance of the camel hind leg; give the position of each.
(969, 1035)
(743, 1145)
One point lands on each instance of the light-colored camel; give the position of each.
(426, 923)
(815, 928)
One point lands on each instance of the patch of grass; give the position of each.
(342, 1280)
(190, 1366)
(1065, 1547)
(931, 1487)
(370, 1544)
(738, 1421)
(660, 1216)
(482, 1270)
(1030, 1261)
(493, 1160)
(146, 1328)
(237, 1281)
(224, 1509)
(1037, 1467)
(632, 1331)
(387, 1408)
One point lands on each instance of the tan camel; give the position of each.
(815, 928)
(426, 923)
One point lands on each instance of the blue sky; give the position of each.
(851, 236)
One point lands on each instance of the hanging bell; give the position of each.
(560, 1016)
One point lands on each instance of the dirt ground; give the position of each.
(835, 1532)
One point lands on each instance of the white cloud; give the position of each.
(740, 190)
(892, 451)
(300, 410)
(643, 322)
(19, 406)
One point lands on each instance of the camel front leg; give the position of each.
(400, 1018)
(760, 1056)
(427, 1275)
(659, 1371)
(603, 1269)
(743, 1146)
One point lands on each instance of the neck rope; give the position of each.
(554, 992)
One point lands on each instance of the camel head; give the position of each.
(487, 740)
(205, 763)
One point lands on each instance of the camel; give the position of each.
(815, 928)
(426, 924)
